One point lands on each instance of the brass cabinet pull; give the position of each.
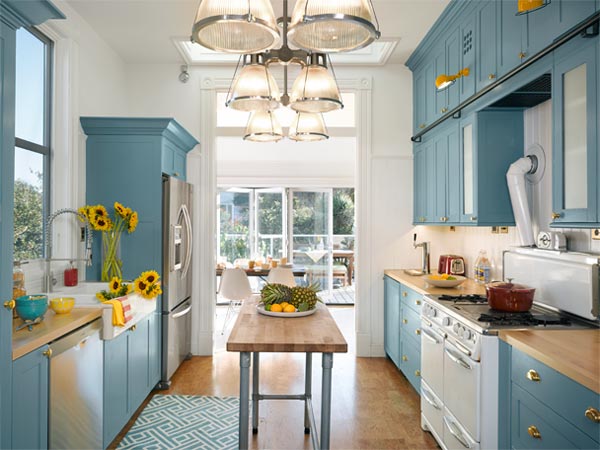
(133, 327)
(522, 55)
(491, 76)
(473, 218)
(556, 215)
(533, 376)
(417, 302)
(10, 304)
(422, 126)
(423, 219)
(404, 321)
(593, 414)
(404, 358)
(534, 432)
(417, 373)
(404, 294)
(418, 332)
(47, 353)
(175, 174)
(443, 219)
(444, 110)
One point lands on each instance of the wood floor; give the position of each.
(373, 405)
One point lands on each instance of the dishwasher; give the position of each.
(76, 375)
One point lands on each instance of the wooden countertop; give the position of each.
(574, 353)
(254, 332)
(422, 287)
(52, 327)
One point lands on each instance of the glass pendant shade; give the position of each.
(315, 91)
(254, 89)
(236, 26)
(308, 127)
(333, 25)
(263, 126)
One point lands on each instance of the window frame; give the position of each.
(46, 149)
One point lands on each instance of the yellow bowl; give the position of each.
(62, 305)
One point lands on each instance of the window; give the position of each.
(32, 142)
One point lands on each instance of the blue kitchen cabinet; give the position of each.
(116, 387)
(468, 33)
(575, 146)
(485, 62)
(510, 31)
(440, 106)
(490, 141)
(391, 311)
(135, 152)
(13, 15)
(30, 400)
(420, 183)
(419, 100)
(447, 60)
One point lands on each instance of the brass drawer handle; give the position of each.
(133, 327)
(404, 358)
(522, 55)
(10, 304)
(593, 414)
(417, 302)
(473, 219)
(405, 321)
(556, 215)
(417, 373)
(418, 332)
(491, 76)
(533, 376)
(47, 353)
(534, 432)
(422, 126)
(444, 110)
(404, 294)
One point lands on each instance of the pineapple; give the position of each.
(305, 298)
(275, 293)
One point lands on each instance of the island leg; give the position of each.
(326, 400)
(255, 393)
(307, 391)
(244, 399)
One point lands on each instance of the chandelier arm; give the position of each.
(271, 90)
(305, 10)
(374, 14)
(305, 81)
(249, 12)
(334, 77)
(228, 99)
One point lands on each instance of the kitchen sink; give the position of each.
(85, 297)
(414, 272)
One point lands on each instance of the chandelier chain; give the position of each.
(374, 13)
(232, 80)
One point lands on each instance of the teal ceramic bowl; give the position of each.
(30, 307)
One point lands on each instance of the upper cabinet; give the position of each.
(509, 42)
(485, 63)
(575, 140)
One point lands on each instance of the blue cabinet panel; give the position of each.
(411, 363)
(419, 101)
(440, 160)
(485, 62)
(453, 61)
(420, 184)
(154, 350)
(440, 97)
(392, 319)
(412, 299)
(454, 173)
(510, 36)
(467, 46)
(411, 326)
(116, 411)
(430, 92)
(30, 401)
(138, 364)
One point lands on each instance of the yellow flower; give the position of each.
(150, 277)
(155, 290)
(121, 210)
(115, 284)
(129, 288)
(101, 223)
(133, 222)
(99, 211)
(84, 213)
(140, 286)
(100, 296)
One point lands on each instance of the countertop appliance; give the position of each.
(451, 264)
(459, 404)
(76, 375)
(177, 276)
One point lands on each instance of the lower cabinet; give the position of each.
(30, 400)
(402, 329)
(131, 370)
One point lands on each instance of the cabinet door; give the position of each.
(411, 362)
(453, 62)
(30, 401)
(116, 411)
(467, 45)
(137, 361)
(420, 184)
(440, 96)
(575, 126)
(419, 100)
(440, 177)
(486, 45)
(454, 171)
(392, 319)
(468, 174)
(509, 40)
(430, 92)
(154, 350)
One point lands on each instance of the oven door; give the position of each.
(432, 357)
(462, 379)
(432, 409)
(455, 435)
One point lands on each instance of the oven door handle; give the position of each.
(430, 336)
(457, 360)
(425, 394)
(456, 433)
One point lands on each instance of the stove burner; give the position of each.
(500, 318)
(471, 298)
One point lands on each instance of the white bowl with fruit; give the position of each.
(444, 280)
(279, 300)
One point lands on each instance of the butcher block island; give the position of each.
(254, 333)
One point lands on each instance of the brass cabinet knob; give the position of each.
(522, 55)
(422, 126)
(444, 110)
(404, 294)
(423, 219)
(10, 304)
(418, 332)
(556, 215)
(417, 302)
(133, 327)
(404, 358)
(404, 321)
(533, 376)
(491, 76)
(473, 218)
(47, 353)
(175, 174)
(593, 414)
(417, 373)
(534, 432)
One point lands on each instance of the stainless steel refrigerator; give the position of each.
(177, 276)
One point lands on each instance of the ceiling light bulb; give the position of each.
(308, 127)
(315, 90)
(254, 89)
(333, 26)
(236, 26)
(263, 126)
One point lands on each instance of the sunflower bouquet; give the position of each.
(148, 285)
(116, 288)
(99, 219)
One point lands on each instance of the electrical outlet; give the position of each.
(504, 230)
(494, 230)
(82, 234)
(596, 234)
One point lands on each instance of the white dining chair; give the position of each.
(282, 275)
(234, 287)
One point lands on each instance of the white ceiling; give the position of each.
(142, 31)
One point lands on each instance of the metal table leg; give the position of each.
(255, 393)
(244, 399)
(307, 391)
(326, 400)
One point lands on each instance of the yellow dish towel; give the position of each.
(118, 318)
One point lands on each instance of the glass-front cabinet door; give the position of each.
(575, 156)
(468, 212)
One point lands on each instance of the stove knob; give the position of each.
(446, 321)
(433, 312)
(456, 327)
(466, 334)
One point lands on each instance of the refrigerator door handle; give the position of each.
(190, 240)
(182, 313)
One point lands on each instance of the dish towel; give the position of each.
(121, 311)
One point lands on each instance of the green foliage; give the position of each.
(234, 244)
(28, 215)
(270, 213)
(343, 211)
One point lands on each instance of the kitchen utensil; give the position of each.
(62, 305)
(451, 264)
(445, 283)
(30, 307)
(509, 297)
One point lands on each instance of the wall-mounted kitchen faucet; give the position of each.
(425, 254)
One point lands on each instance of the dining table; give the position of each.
(255, 333)
(298, 271)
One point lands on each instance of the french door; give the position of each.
(310, 233)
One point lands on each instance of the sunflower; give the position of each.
(99, 211)
(133, 222)
(154, 290)
(101, 223)
(84, 213)
(100, 296)
(121, 210)
(140, 286)
(115, 285)
(150, 277)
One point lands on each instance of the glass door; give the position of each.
(270, 220)
(235, 224)
(310, 231)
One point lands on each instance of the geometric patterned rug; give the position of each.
(185, 422)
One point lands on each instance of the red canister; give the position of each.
(71, 276)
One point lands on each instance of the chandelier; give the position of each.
(316, 28)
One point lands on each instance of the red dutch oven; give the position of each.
(509, 297)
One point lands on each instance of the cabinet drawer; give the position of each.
(411, 326)
(412, 299)
(529, 416)
(410, 363)
(565, 396)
